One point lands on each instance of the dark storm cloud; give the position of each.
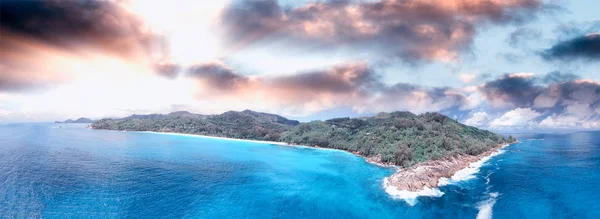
(580, 48)
(34, 32)
(413, 30)
(70, 25)
(511, 91)
(556, 93)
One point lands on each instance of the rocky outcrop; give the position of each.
(428, 174)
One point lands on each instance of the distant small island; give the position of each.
(80, 120)
(427, 146)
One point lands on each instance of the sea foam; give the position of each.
(408, 196)
(485, 207)
(469, 172)
(464, 174)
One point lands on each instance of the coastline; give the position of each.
(367, 159)
(429, 175)
(239, 139)
(425, 178)
(279, 143)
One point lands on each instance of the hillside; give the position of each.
(232, 124)
(80, 120)
(399, 138)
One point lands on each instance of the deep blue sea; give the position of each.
(74, 172)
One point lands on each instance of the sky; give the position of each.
(504, 65)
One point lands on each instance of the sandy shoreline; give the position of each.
(367, 159)
(248, 140)
(244, 140)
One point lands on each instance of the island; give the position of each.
(80, 120)
(425, 147)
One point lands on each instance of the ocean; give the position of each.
(68, 171)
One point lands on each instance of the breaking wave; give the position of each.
(470, 171)
(485, 207)
(408, 196)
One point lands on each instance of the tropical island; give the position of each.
(426, 147)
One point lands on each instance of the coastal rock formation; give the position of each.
(428, 174)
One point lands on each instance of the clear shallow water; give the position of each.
(51, 172)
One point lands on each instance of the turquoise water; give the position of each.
(52, 172)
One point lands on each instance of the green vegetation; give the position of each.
(399, 138)
(244, 125)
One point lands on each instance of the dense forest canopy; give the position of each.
(400, 138)
(244, 125)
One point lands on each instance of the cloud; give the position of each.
(566, 94)
(478, 119)
(412, 30)
(474, 99)
(575, 29)
(26, 66)
(300, 93)
(512, 57)
(569, 122)
(352, 85)
(467, 78)
(218, 76)
(572, 104)
(350, 77)
(562, 98)
(559, 91)
(511, 90)
(522, 99)
(4, 112)
(415, 98)
(101, 25)
(15, 82)
(559, 77)
(519, 117)
(53, 32)
(580, 48)
(167, 69)
(249, 21)
(521, 36)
